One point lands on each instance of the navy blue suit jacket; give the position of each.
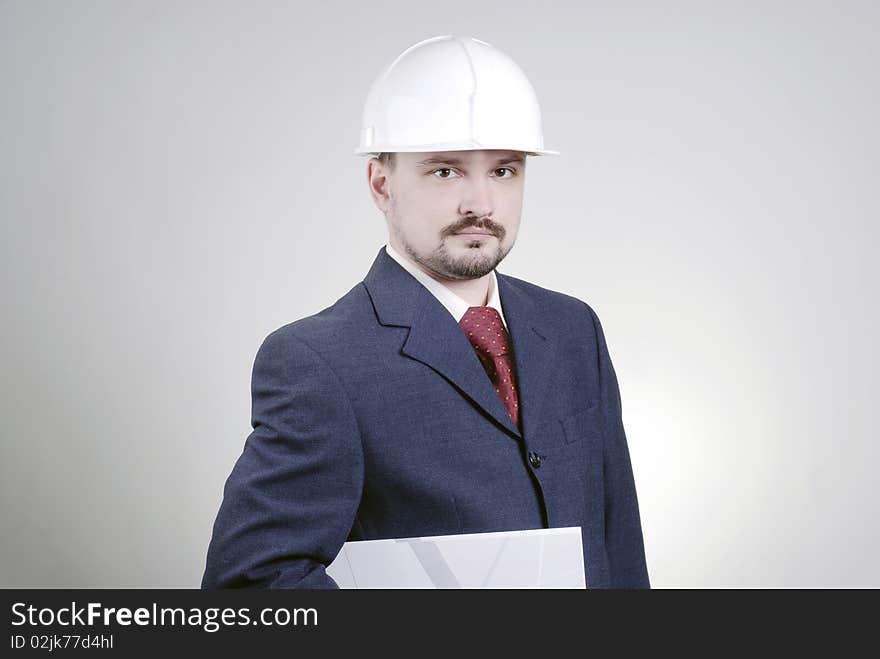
(374, 418)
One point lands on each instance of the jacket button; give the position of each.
(534, 459)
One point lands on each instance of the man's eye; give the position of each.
(508, 169)
(442, 169)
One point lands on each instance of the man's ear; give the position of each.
(379, 182)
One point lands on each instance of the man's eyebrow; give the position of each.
(457, 161)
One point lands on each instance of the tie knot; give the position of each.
(485, 331)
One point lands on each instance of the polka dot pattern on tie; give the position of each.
(487, 334)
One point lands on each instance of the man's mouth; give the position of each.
(474, 232)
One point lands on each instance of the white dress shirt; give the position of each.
(455, 304)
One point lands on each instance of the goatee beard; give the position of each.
(473, 265)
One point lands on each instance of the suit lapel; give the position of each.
(436, 339)
(534, 350)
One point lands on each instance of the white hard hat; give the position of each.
(452, 93)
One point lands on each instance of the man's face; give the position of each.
(454, 212)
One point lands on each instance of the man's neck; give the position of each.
(473, 291)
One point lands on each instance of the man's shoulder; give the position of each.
(334, 325)
(553, 302)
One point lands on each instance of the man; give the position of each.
(438, 396)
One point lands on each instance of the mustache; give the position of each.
(485, 224)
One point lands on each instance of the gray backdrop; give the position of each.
(177, 180)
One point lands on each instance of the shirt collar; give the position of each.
(453, 302)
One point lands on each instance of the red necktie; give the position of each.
(490, 340)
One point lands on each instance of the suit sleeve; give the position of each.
(293, 494)
(623, 530)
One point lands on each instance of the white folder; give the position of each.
(534, 558)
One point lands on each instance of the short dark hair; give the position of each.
(387, 159)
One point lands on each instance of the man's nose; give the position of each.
(477, 199)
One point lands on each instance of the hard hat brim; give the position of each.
(439, 148)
